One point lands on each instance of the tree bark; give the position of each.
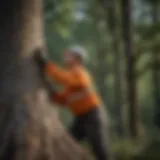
(29, 127)
(134, 113)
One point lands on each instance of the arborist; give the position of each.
(79, 96)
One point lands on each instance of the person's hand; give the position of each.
(41, 58)
(50, 88)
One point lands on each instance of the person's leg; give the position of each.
(77, 129)
(96, 136)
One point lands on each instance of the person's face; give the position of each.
(69, 58)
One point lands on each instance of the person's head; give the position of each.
(74, 56)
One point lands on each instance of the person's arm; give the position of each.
(54, 95)
(63, 77)
(56, 73)
(59, 97)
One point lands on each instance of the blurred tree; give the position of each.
(156, 61)
(111, 20)
(134, 112)
(29, 127)
(149, 33)
(101, 71)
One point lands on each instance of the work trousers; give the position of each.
(90, 127)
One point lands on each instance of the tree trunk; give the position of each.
(134, 113)
(29, 127)
(156, 74)
(110, 10)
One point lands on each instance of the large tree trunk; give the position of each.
(29, 127)
(134, 112)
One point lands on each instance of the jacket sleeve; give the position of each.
(63, 77)
(59, 97)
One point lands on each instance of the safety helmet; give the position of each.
(80, 52)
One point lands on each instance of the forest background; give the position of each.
(122, 39)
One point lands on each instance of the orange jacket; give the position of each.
(78, 94)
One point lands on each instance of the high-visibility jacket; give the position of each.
(78, 94)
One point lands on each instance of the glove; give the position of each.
(41, 58)
(50, 87)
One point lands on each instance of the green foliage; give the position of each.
(59, 14)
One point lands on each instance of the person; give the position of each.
(80, 97)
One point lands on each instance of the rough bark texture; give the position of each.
(134, 117)
(29, 127)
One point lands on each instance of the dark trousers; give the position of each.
(90, 127)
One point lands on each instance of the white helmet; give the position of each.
(79, 51)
